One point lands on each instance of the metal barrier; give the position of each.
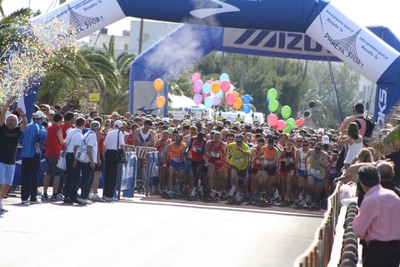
(142, 153)
(318, 253)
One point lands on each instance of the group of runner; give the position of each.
(244, 162)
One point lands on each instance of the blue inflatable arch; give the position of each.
(282, 28)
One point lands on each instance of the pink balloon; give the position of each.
(209, 82)
(197, 99)
(195, 77)
(199, 84)
(217, 101)
(281, 125)
(195, 89)
(301, 121)
(205, 95)
(225, 86)
(272, 120)
(230, 99)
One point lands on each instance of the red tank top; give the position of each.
(258, 163)
(53, 146)
(101, 144)
(196, 150)
(162, 145)
(130, 139)
(215, 151)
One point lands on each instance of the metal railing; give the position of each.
(318, 253)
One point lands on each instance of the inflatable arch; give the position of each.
(285, 28)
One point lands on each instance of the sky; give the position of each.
(363, 12)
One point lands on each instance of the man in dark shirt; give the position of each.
(395, 157)
(9, 135)
(386, 172)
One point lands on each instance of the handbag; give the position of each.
(62, 161)
(120, 157)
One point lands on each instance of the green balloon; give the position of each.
(273, 105)
(291, 122)
(272, 94)
(286, 111)
(288, 128)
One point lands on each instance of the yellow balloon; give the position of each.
(236, 95)
(160, 101)
(158, 84)
(215, 88)
(238, 104)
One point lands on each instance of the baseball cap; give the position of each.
(38, 115)
(51, 112)
(118, 124)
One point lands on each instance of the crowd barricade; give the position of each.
(318, 253)
(149, 166)
(128, 172)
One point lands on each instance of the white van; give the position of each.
(240, 116)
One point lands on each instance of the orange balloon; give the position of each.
(236, 95)
(158, 84)
(238, 104)
(215, 88)
(160, 101)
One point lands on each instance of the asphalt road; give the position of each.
(139, 232)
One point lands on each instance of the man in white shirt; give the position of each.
(88, 156)
(114, 141)
(73, 141)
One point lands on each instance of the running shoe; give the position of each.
(60, 197)
(97, 198)
(35, 202)
(287, 199)
(45, 197)
(233, 189)
(304, 204)
(308, 198)
(2, 209)
(239, 197)
(313, 205)
(24, 202)
(53, 198)
(301, 197)
(193, 193)
(276, 194)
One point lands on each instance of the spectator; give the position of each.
(88, 156)
(73, 141)
(377, 221)
(386, 172)
(32, 141)
(54, 141)
(9, 136)
(111, 166)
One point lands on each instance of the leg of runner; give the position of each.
(288, 191)
(179, 178)
(211, 175)
(171, 172)
(225, 179)
(309, 191)
(218, 182)
(234, 182)
(319, 183)
(163, 178)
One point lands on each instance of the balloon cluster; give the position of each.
(286, 111)
(211, 92)
(158, 85)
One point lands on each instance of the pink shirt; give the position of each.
(379, 216)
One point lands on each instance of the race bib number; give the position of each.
(290, 159)
(197, 149)
(239, 160)
(215, 154)
(316, 171)
(177, 159)
(267, 162)
(259, 161)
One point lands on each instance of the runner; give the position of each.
(160, 145)
(196, 150)
(300, 162)
(255, 171)
(287, 160)
(215, 152)
(227, 166)
(319, 161)
(240, 153)
(175, 154)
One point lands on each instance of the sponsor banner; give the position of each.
(353, 44)
(87, 16)
(144, 99)
(387, 96)
(273, 41)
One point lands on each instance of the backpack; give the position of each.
(369, 126)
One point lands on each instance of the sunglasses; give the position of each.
(317, 148)
(305, 145)
(107, 124)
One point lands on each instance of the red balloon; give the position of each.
(272, 120)
(301, 121)
(225, 86)
(230, 99)
(281, 125)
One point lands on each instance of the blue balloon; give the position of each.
(246, 99)
(224, 77)
(219, 94)
(246, 108)
(268, 100)
(208, 102)
(206, 88)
